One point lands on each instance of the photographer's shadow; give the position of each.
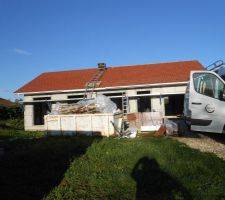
(153, 183)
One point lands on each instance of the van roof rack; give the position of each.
(216, 65)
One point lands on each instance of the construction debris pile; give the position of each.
(146, 121)
(171, 128)
(153, 122)
(77, 109)
(100, 104)
(168, 128)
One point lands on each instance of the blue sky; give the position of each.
(38, 36)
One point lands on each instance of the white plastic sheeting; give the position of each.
(103, 104)
(100, 104)
(171, 127)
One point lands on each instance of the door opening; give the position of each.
(144, 104)
(40, 110)
(174, 104)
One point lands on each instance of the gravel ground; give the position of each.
(205, 142)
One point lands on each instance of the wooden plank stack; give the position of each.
(78, 109)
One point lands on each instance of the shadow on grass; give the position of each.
(4, 137)
(31, 168)
(153, 183)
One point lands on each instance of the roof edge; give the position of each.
(157, 63)
(105, 88)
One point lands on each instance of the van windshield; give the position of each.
(208, 85)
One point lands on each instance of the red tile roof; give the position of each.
(65, 80)
(114, 76)
(149, 73)
(4, 102)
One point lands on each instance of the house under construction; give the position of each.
(149, 87)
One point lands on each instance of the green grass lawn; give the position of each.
(36, 167)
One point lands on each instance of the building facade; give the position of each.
(150, 87)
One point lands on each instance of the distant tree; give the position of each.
(4, 114)
(11, 112)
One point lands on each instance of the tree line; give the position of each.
(11, 112)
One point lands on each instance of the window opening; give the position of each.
(174, 105)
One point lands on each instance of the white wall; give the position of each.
(156, 105)
(155, 101)
(28, 116)
(132, 102)
(29, 119)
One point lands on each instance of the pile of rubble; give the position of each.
(77, 109)
(99, 104)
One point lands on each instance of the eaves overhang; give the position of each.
(108, 88)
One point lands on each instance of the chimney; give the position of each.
(102, 66)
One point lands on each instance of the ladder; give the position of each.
(215, 66)
(125, 111)
(92, 84)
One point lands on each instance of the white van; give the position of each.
(204, 102)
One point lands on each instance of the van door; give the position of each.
(186, 110)
(206, 102)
